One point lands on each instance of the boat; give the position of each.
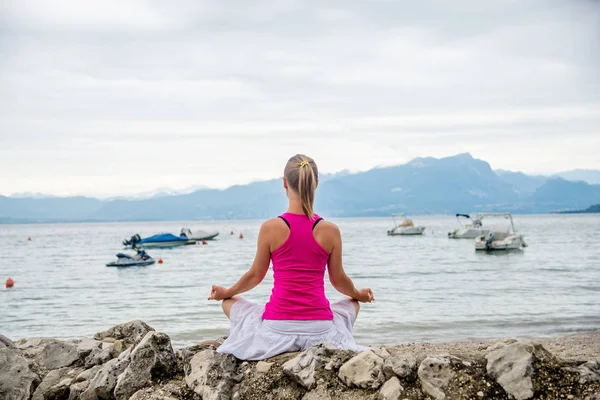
(468, 231)
(500, 237)
(406, 227)
(198, 235)
(160, 240)
(138, 260)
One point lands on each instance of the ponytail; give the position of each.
(302, 175)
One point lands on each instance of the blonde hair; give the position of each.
(302, 176)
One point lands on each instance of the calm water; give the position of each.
(427, 288)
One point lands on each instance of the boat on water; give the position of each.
(468, 231)
(163, 240)
(160, 240)
(406, 227)
(502, 237)
(140, 259)
(198, 235)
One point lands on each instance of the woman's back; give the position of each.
(298, 271)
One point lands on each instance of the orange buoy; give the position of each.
(10, 283)
(232, 232)
(160, 261)
(241, 236)
(204, 242)
(29, 239)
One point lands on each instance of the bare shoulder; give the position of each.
(273, 225)
(328, 228)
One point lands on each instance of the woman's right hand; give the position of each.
(364, 295)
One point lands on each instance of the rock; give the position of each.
(77, 389)
(365, 370)
(97, 356)
(51, 379)
(589, 372)
(114, 348)
(153, 358)
(512, 367)
(58, 354)
(85, 346)
(302, 367)
(381, 352)
(320, 393)
(60, 391)
(6, 343)
(102, 385)
(33, 347)
(435, 374)
(88, 374)
(210, 374)
(17, 381)
(403, 366)
(262, 367)
(391, 390)
(129, 333)
(169, 391)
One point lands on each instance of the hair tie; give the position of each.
(303, 164)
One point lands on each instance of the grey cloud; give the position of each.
(219, 78)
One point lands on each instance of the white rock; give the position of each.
(435, 373)
(51, 379)
(210, 374)
(130, 332)
(402, 365)
(153, 358)
(391, 390)
(58, 354)
(365, 370)
(6, 343)
(263, 367)
(320, 393)
(512, 367)
(302, 367)
(380, 351)
(16, 379)
(102, 385)
(589, 372)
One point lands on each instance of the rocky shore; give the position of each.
(133, 361)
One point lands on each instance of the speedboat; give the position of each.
(160, 240)
(500, 237)
(468, 231)
(139, 260)
(198, 235)
(406, 227)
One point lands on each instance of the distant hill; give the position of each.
(590, 210)
(586, 175)
(524, 184)
(424, 185)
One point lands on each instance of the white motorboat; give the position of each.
(468, 231)
(406, 227)
(500, 237)
(198, 235)
(140, 259)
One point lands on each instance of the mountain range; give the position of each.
(459, 183)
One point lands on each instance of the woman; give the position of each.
(300, 244)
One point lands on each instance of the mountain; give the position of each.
(586, 175)
(560, 194)
(424, 185)
(590, 210)
(523, 184)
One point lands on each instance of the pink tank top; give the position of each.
(298, 271)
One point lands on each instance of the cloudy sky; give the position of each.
(118, 97)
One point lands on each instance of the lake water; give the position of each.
(427, 288)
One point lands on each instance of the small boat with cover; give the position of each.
(468, 231)
(198, 235)
(406, 227)
(160, 240)
(141, 259)
(500, 237)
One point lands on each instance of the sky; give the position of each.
(114, 97)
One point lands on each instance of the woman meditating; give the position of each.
(300, 244)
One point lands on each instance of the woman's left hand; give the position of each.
(218, 293)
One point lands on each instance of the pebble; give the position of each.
(480, 394)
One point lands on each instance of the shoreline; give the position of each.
(133, 361)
